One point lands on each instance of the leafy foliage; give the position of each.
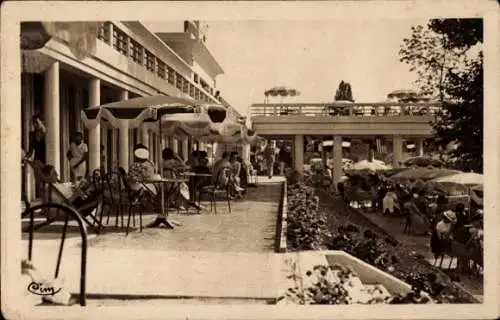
(306, 225)
(344, 92)
(447, 57)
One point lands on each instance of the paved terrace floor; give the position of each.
(223, 255)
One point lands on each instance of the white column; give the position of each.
(245, 153)
(397, 151)
(119, 141)
(104, 139)
(419, 145)
(94, 134)
(114, 149)
(123, 95)
(202, 146)
(145, 135)
(123, 144)
(337, 159)
(299, 152)
(174, 146)
(51, 117)
(185, 148)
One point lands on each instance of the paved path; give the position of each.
(220, 258)
(249, 227)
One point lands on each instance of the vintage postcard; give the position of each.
(256, 160)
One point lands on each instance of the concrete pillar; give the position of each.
(337, 159)
(114, 149)
(419, 145)
(123, 144)
(123, 95)
(51, 117)
(397, 151)
(117, 143)
(145, 136)
(175, 145)
(104, 142)
(202, 146)
(185, 148)
(298, 149)
(95, 133)
(245, 153)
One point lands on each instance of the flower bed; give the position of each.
(334, 277)
(311, 228)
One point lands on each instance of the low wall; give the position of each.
(281, 223)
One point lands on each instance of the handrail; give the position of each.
(346, 109)
(83, 233)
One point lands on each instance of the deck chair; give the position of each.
(68, 213)
(86, 205)
(221, 186)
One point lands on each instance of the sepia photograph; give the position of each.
(255, 161)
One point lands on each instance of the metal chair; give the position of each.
(221, 186)
(133, 200)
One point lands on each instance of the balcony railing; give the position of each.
(136, 51)
(345, 109)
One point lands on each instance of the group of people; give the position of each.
(226, 172)
(436, 217)
(267, 159)
(77, 154)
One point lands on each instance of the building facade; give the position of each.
(128, 61)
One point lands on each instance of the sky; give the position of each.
(312, 56)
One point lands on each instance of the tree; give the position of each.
(447, 56)
(344, 92)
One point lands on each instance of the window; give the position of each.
(119, 40)
(171, 75)
(150, 61)
(179, 81)
(196, 78)
(204, 85)
(136, 51)
(185, 87)
(104, 32)
(197, 95)
(161, 69)
(192, 92)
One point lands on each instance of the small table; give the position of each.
(164, 181)
(193, 182)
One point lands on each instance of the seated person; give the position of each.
(172, 164)
(194, 159)
(218, 166)
(235, 174)
(142, 170)
(172, 167)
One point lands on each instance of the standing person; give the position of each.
(37, 149)
(269, 155)
(285, 159)
(389, 202)
(78, 156)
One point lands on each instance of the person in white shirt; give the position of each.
(444, 227)
(77, 156)
(389, 202)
